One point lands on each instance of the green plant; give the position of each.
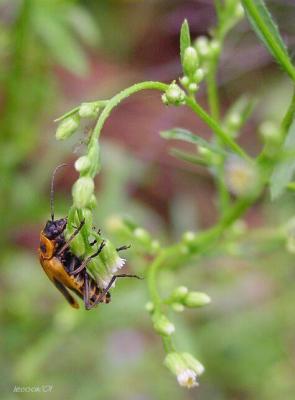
(240, 178)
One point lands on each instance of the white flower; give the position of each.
(187, 378)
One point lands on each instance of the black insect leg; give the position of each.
(123, 247)
(86, 261)
(86, 291)
(67, 244)
(105, 290)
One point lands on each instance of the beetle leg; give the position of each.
(86, 291)
(110, 284)
(67, 244)
(123, 247)
(86, 261)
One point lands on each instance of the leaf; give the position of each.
(84, 24)
(268, 32)
(187, 136)
(188, 157)
(284, 171)
(185, 38)
(56, 35)
(244, 107)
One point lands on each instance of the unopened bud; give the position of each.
(82, 191)
(196, 299)
(202, 46)
(174, 95)
(179, 293)
(82, 164)
(199, 75)
(88, 110)
(190, 61)
(193, 363)
(162, 325)
(67, 127)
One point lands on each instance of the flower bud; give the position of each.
(189, 237)
(67, 127)
(179, 293)
(89, 110)
(199, 75)
(177, 365)
(177, 307)
(149, 306)
(270, 132)
(92, 202)
(196, 299)
(184, 81)
(142, 236)
(202, 46)
(174, 95)
(193, 87)
(193, 363)
(190, 61)
(82, 191)
(214, 47)
(162, 325)
(106, 264)
(82, 164)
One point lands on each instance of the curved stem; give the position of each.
(114, 101)
(214, 125)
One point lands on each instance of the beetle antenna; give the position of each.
(52, 190)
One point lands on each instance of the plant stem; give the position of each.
(114, 101)
(214, 125)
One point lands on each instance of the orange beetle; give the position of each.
(65, 269)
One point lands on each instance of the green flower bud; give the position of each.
(179, 293)
(177, 365)
(177, 307)
(162, 325)
(194, 364)
(174, 95)
(189, 237)
(199, 75)
(202, 46)
(184, 81)
(92, 202)
(89, 110)
(142, 236)
(82, 191)
(234, 121)
(214, 47)
(270, 132)
(193, 87)
(116, 224)
(149, 307)
(67, 127)
(196, 299)
(190, 61)
(82, 164)
(106, 264)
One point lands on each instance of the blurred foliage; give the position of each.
(246, 338)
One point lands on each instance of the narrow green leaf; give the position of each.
(284, 170)
(185, 38)
(268, 32)
(188, 157)
(187, 136)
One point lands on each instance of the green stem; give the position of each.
(213, 98)
(214, 125)
(289, 116)
(114, 101)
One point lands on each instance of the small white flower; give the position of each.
(187, 378)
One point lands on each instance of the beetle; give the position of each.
(67, 271)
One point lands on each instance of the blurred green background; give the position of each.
(54, 54)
